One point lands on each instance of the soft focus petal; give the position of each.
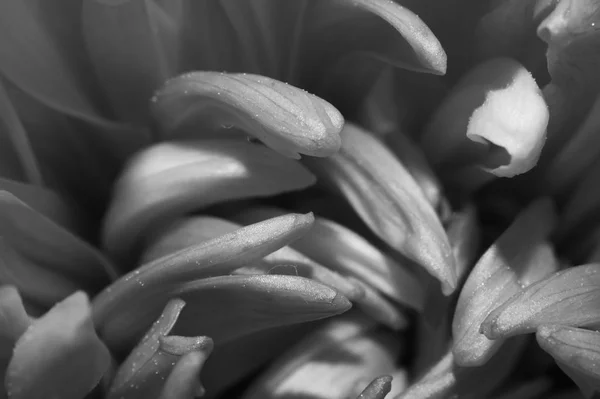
(285, 118)
(171, 179)
(495, 118)
(388, 199)
(328, 363)
(577, 350)
(570, 297)
(59, 356)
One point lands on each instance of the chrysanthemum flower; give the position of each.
(299, 199)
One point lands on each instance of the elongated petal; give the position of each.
(569, 297)
(14, 320)
(45, 242)
(377, 389)
(287, 119)
(388, 199)
(387, 30)
(577, 349)
(341, 249)
(183, 383)
(496, 277)
(328, 363)
(123, 39)
(143, 373)
(172, 179)
(34, 44)
(495, 118)
(55, 348)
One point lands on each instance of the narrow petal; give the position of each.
(172, 179)
(377, 389)
(388, 199)
(183, 383)
(329, 362)
(569, 297)
(59, 355)
(495, 118)
(342, 250)
(127, 45)
(285, 118)
(143, 373)
(575, 349)
(387, 31)
(48, 244)
(497, 276)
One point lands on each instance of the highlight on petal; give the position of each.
(171, 179)
(577, 352)
(328, 363)
(519, 256)
(142, 375)
(383, 29)
(494, 118)
(377, 389)
(287, 119)
(569, 297)
(389, 201)
(59, 355)
(342, 250)
(131, 51)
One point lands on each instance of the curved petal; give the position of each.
(382, 28)
(519, 252)
(132, 51)
(55, 348)
(183, 383)
(377, 389)
(14, 320)
(171, 179)
(41, 240)
(389, 201)
(570, 297)
(342, 250)
(285, 118)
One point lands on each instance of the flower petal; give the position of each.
(342, 250)
(14, 320)
(130, 50)
(518, 253)
(171, 179)
(59, 346)
(569, 297)
(377, 389)
(385, 29)
(576, 349)
(46, 243)
(34, 55)
(143, 373)
(495, 117)
(328, 363)
(183, 383)
(388, 199)
(285, 118)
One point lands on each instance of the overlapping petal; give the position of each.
(285, 118)
(388, 199)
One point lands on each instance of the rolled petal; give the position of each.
(569, 297)
(495, 118)
(132, 51)
(172, 179)
(377, 389)
(285, 118)
(44, 242)
(342, 250)
(387, 31)
(518, 253)
(143, 373)
(59, 355)
(388, 199)
(577, 351)
(218, 256)
(329, 362)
